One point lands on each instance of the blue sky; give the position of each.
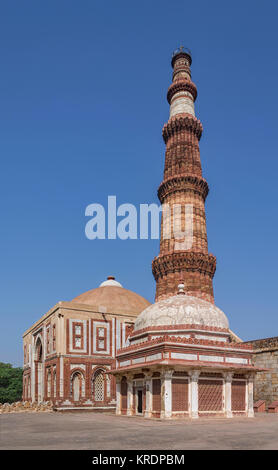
(82, 104)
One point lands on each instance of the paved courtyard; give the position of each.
(106, 431)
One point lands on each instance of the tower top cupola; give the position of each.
(181, 52)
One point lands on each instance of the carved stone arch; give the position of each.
(97, 368)
(38, 348)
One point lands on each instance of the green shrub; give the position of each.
(10, 383)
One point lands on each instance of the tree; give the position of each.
(10, 383)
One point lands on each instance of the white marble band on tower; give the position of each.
(182, 102)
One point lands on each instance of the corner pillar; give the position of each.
(33, 373)
(149, 395)
(250, 396)
(118, 395)
(228, 394)
(194, 405)
(166, 394)
(129, 395)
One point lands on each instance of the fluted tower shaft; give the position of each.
(182, 193)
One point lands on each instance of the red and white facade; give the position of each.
(70, 351)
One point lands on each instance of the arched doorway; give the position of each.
(76, 386)
(39, 369)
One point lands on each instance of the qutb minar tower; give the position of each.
(184, 184)
(181, 358)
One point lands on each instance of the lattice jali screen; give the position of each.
(210, 395)
(156, 395)
(179, 395)
(124, 394)
(238, 395)
(99, 386)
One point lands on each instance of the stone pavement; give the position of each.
(95, 431)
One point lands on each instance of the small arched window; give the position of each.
(98, 386)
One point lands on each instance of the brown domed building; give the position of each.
(69, 352)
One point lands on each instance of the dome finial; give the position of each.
(110, 282)
(181, 287)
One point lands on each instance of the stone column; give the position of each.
(166, 394)
(33, 398)
(250, 399)
(118, 395)
(228, 394)
(43, 363)
(129, 395)
(61, 384)
(193, 406)
(149, 395)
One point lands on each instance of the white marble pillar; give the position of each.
(61, 388)
(228, 376)
(129, 395)
(193, 405)
(40, 375)
(166, 394)
(43, 363)
(149, 395)
(33, 370)
(250, 396)
(118, 395)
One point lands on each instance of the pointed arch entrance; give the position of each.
(77, 386)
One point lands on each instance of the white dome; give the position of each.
(110, 281)
(181, 310)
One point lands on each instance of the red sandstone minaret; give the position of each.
(183, 184)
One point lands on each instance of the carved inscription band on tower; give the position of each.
(184, 184)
